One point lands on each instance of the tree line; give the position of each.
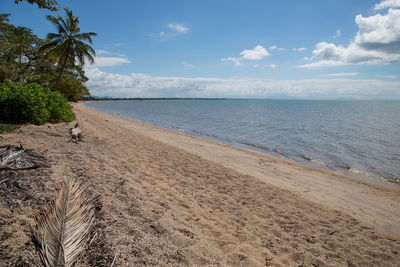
(55, 63)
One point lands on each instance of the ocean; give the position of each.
(356, 138)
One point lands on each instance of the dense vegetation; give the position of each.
(47, 4)
(29, 102)
(29, 66)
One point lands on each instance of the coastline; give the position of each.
(173, 199)
(327, 146)
(356, 197)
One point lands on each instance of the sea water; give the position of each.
(358, 138)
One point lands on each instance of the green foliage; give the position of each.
(47, 4)
(72, 87)
(18, 50)
(29, 102)
(68, 44)
(5, 127)
(59, 108)
(21, 60)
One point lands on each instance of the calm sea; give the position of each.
(358, 138)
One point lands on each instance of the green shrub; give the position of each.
(29, 102)
(59, 108)
(5, 128)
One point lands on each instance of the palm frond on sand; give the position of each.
(63, 229)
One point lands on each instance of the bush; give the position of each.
(29, 102)
(5, 128)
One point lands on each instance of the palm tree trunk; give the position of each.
(59, 75)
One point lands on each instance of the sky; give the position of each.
(310, 49)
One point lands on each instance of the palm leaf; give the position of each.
(56, 22)
(63, 229)
(84, 51)
(68, 44)
(52, 36)
(86, 36)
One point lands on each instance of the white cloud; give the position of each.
(108, 53)
(173, 30)
(274, 47)
(323, 63)
(377, 42)
(162, 35)
(272, 66)
(326, 51)
(379, 29)
(178, 27)
(387, 3)
(109, 61)
(300, 49)
(390, 76)
(257, 53)
(103, 52)
(187, 65)
(344, 74)
(142, 85)
(337, 34)
(235, 60)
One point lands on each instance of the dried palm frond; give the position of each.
(18, 158)
(63, 229)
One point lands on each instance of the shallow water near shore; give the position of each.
(357, 138)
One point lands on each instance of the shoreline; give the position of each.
(358, 198)
(171, 199)
(303, 159)
(374, 181)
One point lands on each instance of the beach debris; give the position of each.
(17, 158)
(76, 133)
(62, 230)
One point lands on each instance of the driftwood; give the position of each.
(76, 133)
(18, 158)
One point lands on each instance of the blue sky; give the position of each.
(308, 49)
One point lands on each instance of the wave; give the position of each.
(178, 129)
(256, 146)
(356, 171)
(264, 148)
(280, 152)
(315, 161)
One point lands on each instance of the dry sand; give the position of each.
(170, 199)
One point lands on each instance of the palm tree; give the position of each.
(68, 43)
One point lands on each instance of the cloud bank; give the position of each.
(345, 74)
(109, 61)
(142, 85)
(377, 41)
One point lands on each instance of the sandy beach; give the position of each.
(171, 199)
